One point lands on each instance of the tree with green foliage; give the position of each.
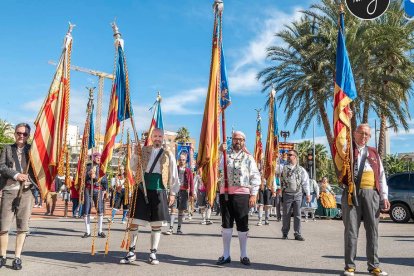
(302, 70)
(183, 135)
(5, 129)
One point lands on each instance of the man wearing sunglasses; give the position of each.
(243, 185)
(17, 198)
(295, 182)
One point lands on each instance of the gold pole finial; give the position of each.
(341, 8)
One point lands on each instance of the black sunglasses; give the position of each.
(290, 154)
(24, 134)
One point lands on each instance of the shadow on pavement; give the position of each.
(399, 236)
(386, 260)
(164, 258)
(83, 258)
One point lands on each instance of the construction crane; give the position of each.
(101, 76)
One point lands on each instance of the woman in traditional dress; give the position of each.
(310, 207)
(327, 202)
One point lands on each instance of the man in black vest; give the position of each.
(17, 198)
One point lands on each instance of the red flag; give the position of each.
(49, 140)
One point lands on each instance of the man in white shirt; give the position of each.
(371, 189)
(160, 175)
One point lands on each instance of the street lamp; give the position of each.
(284, 134)
(310, 163)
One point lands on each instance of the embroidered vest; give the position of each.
(164, 165)
(292, 179)
(238, 165)
(373, 161)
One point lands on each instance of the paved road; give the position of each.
(56, 246)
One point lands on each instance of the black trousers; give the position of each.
(235, 209)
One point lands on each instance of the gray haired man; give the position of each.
(17, 198)
(295, 182)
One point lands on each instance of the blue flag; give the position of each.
(159, 123)
(91, 141)
(124, 109)
(224, 85)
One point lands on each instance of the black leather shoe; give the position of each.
(86, 235)
(285, 237)
(245, 261)
(221, 261)
(102, 235)
(299, 238)
(2, 261)
(17, 264)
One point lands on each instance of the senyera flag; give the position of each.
(272, 142)
(49, 141)
(88, 142)
(345, 93)
(208, 149)
(156, 121)
(119, 108)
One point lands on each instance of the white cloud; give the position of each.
(33, 105)
(183, 103)
(402, 135)
(242, 81)
(242, 77)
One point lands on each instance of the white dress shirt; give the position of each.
(382, 180)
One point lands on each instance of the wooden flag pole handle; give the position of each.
(226, 181)
(140, 163)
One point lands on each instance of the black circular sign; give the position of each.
(367, 9)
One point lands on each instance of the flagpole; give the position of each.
(314, 153)
(218, 9)
(226, 181)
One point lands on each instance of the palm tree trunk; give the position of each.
(365, 111)
(381, 141)
(353, 119)
(326, 125)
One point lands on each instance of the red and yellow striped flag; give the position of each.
(49, 141)
(345, 93)
(129, 181)
(272, 143)
(119, 107)
(208, 149)
(258, 146)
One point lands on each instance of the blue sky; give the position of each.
(168, 48)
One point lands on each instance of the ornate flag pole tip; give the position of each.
(159, 98)
(218, 5)
(91, 90)
(341, 8)
(115, 28)
(71, 26)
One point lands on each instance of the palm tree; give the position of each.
(323, 167)
(394, 67)
(301, 75)
(379, 51)
(5, 130)
(183, 135)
